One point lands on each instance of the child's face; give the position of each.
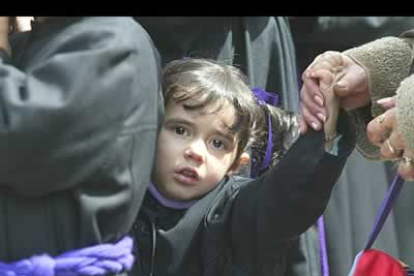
(195, 150)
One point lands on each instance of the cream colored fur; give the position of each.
(387, 62)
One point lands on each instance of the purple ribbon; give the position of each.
(385, 209)
(323, 251)
(95, 260)
(264, 97)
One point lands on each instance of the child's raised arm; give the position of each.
(276, 208)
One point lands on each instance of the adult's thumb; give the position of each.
(343, 87)
(354, 79)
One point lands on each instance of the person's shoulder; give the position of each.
(123, 24)
(235, 182)
(96, 28)
(119, 32)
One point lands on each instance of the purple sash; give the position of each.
(95, 260)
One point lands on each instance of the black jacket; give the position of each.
(78, 124)
(243, 226)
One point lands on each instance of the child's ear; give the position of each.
(238, 164)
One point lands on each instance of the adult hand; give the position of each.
(312, 101)
(350, 84)
(382, 131)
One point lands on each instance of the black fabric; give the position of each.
(4, 56)
(77, 134)
(243, 226)
(261, 46)
(315, 35)
(357, 196)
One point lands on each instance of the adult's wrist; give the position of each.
(386, 61)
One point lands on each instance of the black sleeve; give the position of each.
(59, 120)
(277, 207)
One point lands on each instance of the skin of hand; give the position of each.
(331, 105)
(378, 133)
(350, 85)
(4, 34)
(406, 171)
(332, 108)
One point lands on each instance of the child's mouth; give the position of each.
(186, 176)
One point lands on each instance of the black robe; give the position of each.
(261, 46)
(77, 134)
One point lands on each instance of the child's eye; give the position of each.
(180, 130)
(218, 144)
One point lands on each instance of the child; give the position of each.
(198, 218)
(79, 101)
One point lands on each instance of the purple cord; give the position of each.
(95, 260)
(264, 97)
(322, 247)
(268, 154)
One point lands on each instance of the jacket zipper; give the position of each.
(154, 243)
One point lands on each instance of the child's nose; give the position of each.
(196, 151)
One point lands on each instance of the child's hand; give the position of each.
(319, 75)
(332, 109)
(351, 87)
(314, 110)
(329, 110)
(326, 72)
